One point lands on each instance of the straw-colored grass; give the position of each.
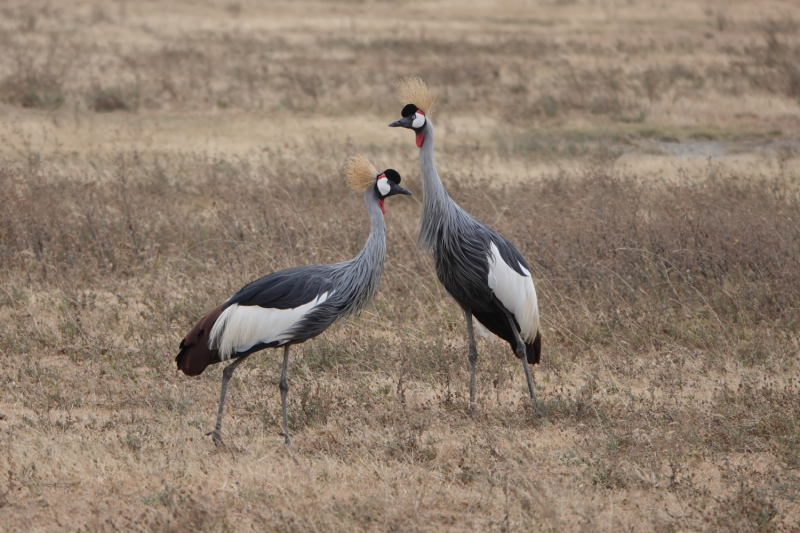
(155, 157)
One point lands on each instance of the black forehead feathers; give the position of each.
(393, 175)
(408, 110)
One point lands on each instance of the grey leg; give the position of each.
(226, 377)
(524, 357)
(473, 359)
(284, 386)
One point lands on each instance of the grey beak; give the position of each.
(403, 122)
(404, 191)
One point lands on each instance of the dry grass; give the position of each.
(643, 158)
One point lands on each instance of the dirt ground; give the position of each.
(643, 156)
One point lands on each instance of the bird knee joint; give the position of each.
(283, 385)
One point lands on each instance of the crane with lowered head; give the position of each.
(293, 305)
(478, 267)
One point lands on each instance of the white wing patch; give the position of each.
(516, 292)
(240, 327)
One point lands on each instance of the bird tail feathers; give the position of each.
(533, 351)
(195, 355)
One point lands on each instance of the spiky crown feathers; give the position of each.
(412, 90)
(358, 172)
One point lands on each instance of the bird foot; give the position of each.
(217, 439)
(286, 437)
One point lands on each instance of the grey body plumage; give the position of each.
(458, 241)
(354, 282)
(350, 285)
(293, 305)
(464, 256)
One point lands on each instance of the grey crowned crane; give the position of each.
(478, 267)
(296, 304)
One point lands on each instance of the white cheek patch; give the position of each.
(383, 186)
(419, 121)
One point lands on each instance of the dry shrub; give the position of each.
(112, 99)
(772, 67)
(33, 89)
(33, 85)
(656, 81)
(757, 416)
(748, 509)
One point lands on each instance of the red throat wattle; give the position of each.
(383, 209)
(420, 135)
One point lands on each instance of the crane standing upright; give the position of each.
(478, 267)
(293, 305)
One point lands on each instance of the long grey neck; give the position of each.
(375, 249)
(362, 274)
(436, 204)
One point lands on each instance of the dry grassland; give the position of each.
(642, 155)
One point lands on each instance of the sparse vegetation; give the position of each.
(146, 175)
